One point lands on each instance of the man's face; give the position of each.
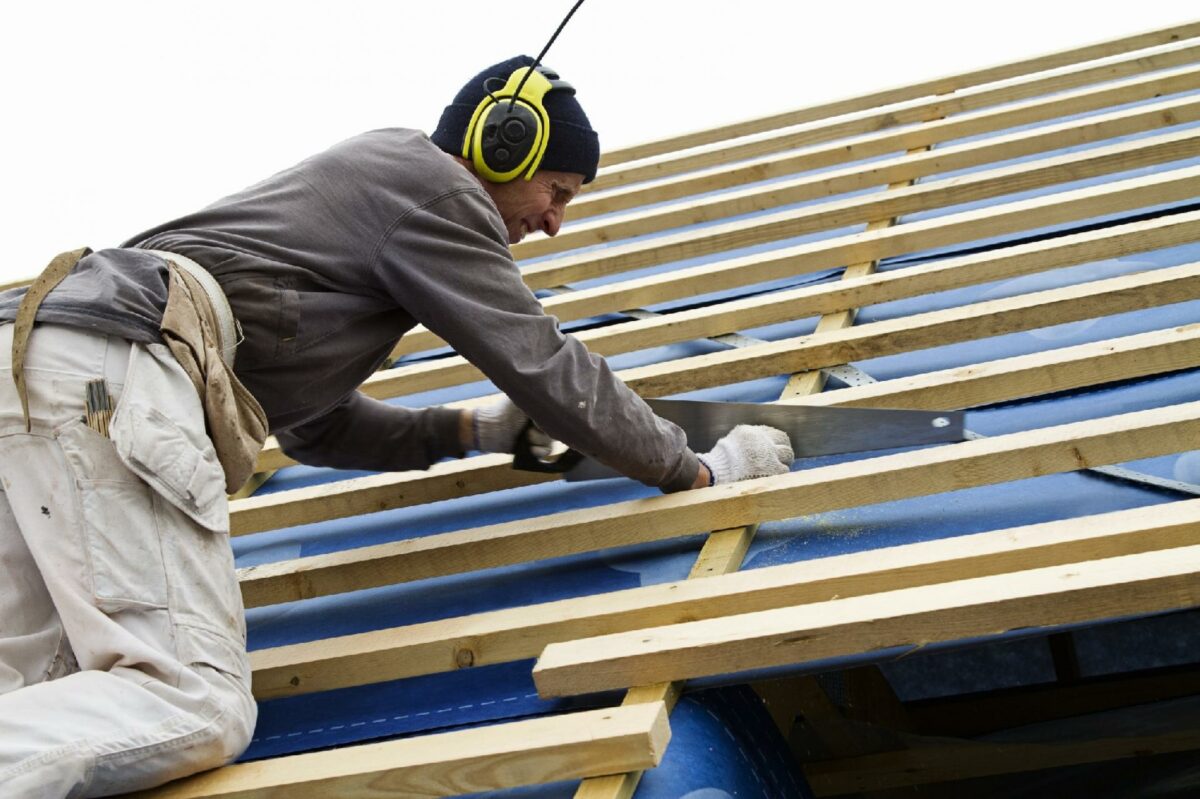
(536, 204)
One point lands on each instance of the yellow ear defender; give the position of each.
(509, 131)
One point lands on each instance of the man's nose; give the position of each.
(551, 222)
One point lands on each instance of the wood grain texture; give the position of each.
(812, 381)
(446, 764)
(824, 718)
(1156, 352)
(904, 113)
(623, 785)
(876, 144)
(941, 85)
(896, 170)
(1037, 374)
(907, 334)
(830, 298)
(385, 491)
(518, 633)
(722, 553)
(843, 213)
(1079, 592)
(1113, 439)
(954, 228)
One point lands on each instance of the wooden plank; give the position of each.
(876, 144)
(830, 298)
(252, 484)
(1040, 373)
(923, 162)
(896, 94)
(951, 762)
(445, 764)
(907, 334)
(786, 262)
(1074, 593)
(812, 381)
(1080, 445)
(722, 553)
(384, 491)
(622, 785)
(15, 284)
(909, 112)
(517, 633)
(1037, 374)
(838, 214)
(823, 718)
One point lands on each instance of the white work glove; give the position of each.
(495, 428)
(748, 451)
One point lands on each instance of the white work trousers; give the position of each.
(122, 637)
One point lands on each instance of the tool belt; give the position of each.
(202, 334)
(229, 332)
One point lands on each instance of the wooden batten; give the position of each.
(942, 85)
(1069, 447)
(651, 639)
(980, 320)
(954, 228)
(446, 764)
(905, 167)
(518, 633)
(829, 298)
(834, 215)
(931, 329)
(911, 112)
(1079, 592)
(1146, 354)
(869, 145)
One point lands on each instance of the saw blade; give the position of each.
(813, 430)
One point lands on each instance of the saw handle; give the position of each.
(526, 461)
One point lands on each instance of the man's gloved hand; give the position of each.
(495, 428)
(748, 451)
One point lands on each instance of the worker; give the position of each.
(122, 640)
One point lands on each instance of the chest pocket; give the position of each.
(287, 324)
(268, 310)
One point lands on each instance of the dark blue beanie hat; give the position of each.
(573, 146)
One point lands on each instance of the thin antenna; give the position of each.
(538, 60)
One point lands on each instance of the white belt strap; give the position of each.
(228, 328)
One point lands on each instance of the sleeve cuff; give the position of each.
(445, 432)
(685, 476)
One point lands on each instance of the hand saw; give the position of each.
(813, 431)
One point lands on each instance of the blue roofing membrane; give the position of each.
(494, 693)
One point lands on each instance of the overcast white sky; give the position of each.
(120, 115)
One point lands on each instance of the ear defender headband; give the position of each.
(506, 139)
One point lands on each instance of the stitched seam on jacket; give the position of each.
(387, 234)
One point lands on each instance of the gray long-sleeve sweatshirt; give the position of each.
(327, 264)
